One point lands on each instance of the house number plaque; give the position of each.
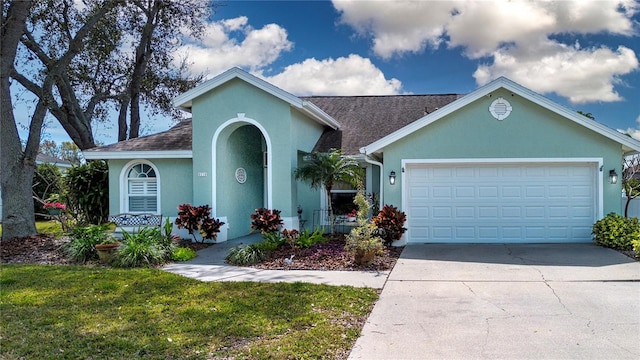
(241, 175)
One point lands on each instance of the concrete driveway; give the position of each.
(576, 301)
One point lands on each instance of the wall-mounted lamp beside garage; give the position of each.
(613, 176)
(392, 178)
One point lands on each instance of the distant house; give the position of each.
(501, 164)
(44, 159)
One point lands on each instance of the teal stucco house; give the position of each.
(501, 164)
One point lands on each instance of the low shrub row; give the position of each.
(617, 232)
(148, 246)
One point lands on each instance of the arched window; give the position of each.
(142, 189)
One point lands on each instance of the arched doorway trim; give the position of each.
(240, 119)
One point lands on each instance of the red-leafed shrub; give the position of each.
(266, 220)
(198, 218)
(390, 224)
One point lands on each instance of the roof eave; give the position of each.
(312, 110)
(112, 155)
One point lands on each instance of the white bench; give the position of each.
(132, 222)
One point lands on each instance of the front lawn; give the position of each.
(85, 312)
(46, 227)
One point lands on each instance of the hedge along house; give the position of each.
(502, 164)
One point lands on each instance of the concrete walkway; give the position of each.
(576, 301)
(210, 266)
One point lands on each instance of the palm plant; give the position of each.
(324, 169)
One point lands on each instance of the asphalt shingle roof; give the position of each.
(363, 119)
(177, 138)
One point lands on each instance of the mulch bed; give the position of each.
(326, 256)
(47, 249)
(37, 249)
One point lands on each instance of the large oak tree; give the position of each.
(81, 61)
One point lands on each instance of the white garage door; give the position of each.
(487, 203)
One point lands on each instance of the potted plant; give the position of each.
(352, 215)
(362, 241)
(54, 207)
(106, 249)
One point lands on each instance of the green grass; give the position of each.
(78, 312)
(46, 227)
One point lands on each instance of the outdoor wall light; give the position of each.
(392, 178)
(613, 176)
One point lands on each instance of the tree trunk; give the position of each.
(122, 118)
(16, 167)
(626, 206)
(143, 53)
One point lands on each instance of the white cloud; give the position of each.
(221, 49)
(516, 38)
(581, 75)
(634, 132)
(397, 26)
(352, 75)
(234, 42)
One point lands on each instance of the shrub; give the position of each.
(81, 248)
(390, 224)
(616, 232)
(636, 247)
(144, 248)
(246, 255)
(46, 182)
(272, 240)
(306, 239)
(183, 254)
(363, 241)
(88, 192)
(290, 236)
(198, 218)
(266, 220)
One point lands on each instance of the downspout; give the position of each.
(377, 163)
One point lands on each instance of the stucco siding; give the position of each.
(223, 104)
(175, 184)
(529, 132)
(308, 198)
(304, 136)
(223, 119)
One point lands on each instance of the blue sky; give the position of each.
(582, 54)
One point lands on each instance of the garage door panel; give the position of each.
(534, 192)
(441, 192)
(584, 192)
(511, 212)
(465, 212)
(490, 192)
(501, 202)
(511, 192)
(488, 212)
(535, 171)
(442, 232)
(559, 212)
(559, 191)
(419, 192)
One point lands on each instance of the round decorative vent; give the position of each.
(500, 108)
(241, 175)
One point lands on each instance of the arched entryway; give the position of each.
(241, 173)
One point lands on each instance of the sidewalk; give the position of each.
(210, 266)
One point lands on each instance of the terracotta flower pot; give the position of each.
(106, 251)
(364, 256)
